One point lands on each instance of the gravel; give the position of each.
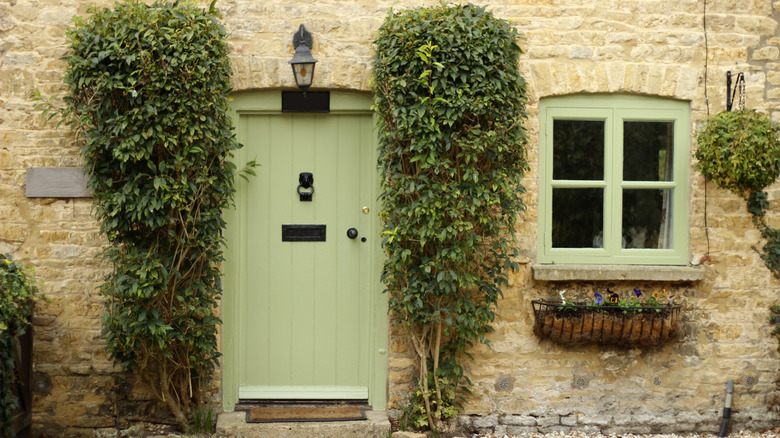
(774, 433)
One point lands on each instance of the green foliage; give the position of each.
(203, 420)
(739, 151)
(450, 103)
(415, 415)
(774, 321)
(18, 291)
(149, 86)
(757, 205)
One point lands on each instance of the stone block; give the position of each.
(401, 434)
(773, 93)
(548, 421)
(485, 422)
(521, 430)
(580, 52)
(401, 377)
(555, 429)
(569, 420)
(766, 54)
(756, 25)
(517, 420)
(596, 419)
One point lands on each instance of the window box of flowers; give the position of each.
(632, 322)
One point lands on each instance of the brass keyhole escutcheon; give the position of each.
(366, 210)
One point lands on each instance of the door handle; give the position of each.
(352, 233)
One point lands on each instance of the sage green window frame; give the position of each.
(614, 110)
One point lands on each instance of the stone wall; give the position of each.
(651, 47)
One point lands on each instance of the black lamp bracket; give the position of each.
(302, 36)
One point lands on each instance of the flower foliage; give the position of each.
(149, 86)
(450, 102)
(18, 291)
(634, 302)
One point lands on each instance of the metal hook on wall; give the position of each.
(730, 94)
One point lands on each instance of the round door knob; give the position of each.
(352, 233)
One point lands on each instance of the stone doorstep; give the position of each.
(233, 424)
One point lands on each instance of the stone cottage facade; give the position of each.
(662, 50)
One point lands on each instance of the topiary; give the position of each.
(148, 92)
(739, 151)
(450, 102)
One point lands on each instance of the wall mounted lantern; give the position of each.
(302, 62)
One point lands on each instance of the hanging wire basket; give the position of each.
(580, 324)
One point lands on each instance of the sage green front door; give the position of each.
(306, 288)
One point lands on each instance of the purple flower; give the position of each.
(638, 293)
(614, 298)
(599, 298)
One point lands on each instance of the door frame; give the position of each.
(270, 102)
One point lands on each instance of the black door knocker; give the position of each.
(305, 182)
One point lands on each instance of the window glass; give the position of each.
(578, 150)
(578, 218)
(647, 151)
(647, 218)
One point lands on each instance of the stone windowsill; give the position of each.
(617, 273)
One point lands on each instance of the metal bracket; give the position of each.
(302, 36)
(740, 85)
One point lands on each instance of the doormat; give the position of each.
(304, 413)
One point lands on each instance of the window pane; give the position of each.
(578, 218)
(578, 149)
(647, 151)
(647, 218)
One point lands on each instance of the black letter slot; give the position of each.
(303, 233)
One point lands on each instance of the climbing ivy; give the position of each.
(149, 86)
(450, 103)
(740, 151)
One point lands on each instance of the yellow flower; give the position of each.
(655, 294)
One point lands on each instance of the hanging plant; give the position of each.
(740, 151)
